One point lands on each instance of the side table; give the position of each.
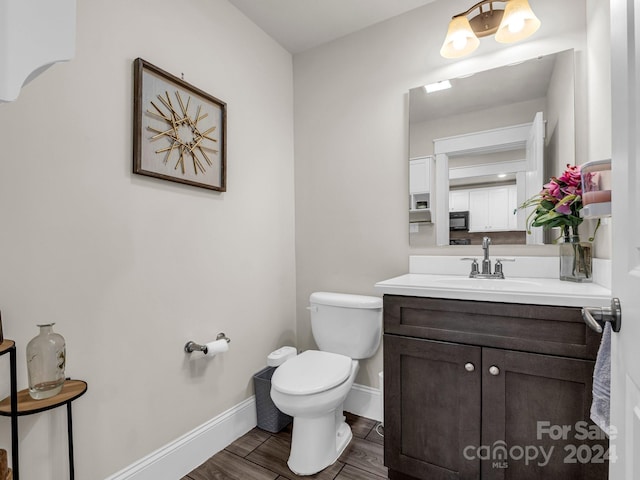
(20, 403)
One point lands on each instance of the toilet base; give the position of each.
(318, 442)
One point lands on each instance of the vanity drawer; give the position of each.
(529, 328)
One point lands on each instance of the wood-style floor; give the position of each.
(261, 455)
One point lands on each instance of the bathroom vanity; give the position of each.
(488, 380)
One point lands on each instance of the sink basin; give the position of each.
(529, 290)
(487, 283)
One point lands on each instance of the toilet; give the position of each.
(313, 386)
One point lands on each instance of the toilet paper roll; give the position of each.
(215, 347)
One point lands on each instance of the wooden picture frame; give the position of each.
(179, 130)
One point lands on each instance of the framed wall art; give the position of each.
(179, 130)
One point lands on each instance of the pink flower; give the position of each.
(571, 191)
(571, 177)
(554, 190)
(565, 209)
(559, 202)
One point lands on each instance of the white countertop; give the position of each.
(528, 290)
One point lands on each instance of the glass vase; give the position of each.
(46, 355)
(575, 260)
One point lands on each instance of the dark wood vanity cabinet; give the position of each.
(485, 390)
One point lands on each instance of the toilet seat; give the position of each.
(311, 372)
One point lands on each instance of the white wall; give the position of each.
(351, 111)
(131, 267)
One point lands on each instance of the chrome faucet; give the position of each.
(486, 263)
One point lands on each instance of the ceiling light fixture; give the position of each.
(513, 23)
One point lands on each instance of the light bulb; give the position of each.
(516, 24)
(460, 39)
(459, 42)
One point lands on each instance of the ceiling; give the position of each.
(299, 25)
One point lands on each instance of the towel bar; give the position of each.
(594, 316)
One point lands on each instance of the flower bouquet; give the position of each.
(558, 205)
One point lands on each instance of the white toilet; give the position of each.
(312, 386)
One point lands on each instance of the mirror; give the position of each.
(483, 146)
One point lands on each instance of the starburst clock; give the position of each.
(179, 130)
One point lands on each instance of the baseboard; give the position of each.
(181, 456)
(365, 402)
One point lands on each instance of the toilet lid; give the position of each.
(311, 372)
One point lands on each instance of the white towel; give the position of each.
(600, 405)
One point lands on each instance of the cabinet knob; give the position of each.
(493, 370)
(469, 367)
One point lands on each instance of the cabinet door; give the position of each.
(419, 176)
(534, 403)
(513, 208)
(459, 200)
(479, 210)
(489, 209)
(498, 209)
(432, 408)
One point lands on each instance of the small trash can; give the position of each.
(269, 417)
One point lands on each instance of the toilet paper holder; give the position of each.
(192, 346)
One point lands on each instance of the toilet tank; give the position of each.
(347, 324)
